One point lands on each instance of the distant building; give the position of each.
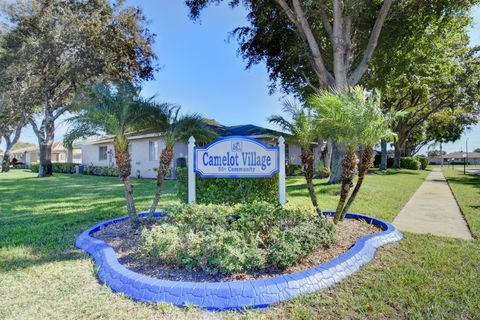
(60, 154)
(145, 149)
(457, 157)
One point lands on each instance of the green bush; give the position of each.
(410, 163)
(34, 167)
(293, 170)
(229, 191)
(101, 171)
(231, 239)
(57, 167)
(423, 162)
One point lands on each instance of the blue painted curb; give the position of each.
(233, 294)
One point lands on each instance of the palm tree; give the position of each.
(354, 119)
(375, 126)
(175, 128)
(303, 131)
(111, 110)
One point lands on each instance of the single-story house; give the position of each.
(60, 154)
(145, 149)
(457, 157)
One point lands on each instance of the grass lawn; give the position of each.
(42, 275)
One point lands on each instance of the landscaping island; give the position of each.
(231, 294)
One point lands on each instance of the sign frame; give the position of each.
(202, 174)
(280, 165)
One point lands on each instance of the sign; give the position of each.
(236, 157)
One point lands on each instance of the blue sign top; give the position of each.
(236, 157)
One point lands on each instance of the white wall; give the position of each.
(139, 153)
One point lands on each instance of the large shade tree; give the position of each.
(11, 124)
(430, 70)
(310, 45)
(303, 130)
(65, 44)
(115, 111)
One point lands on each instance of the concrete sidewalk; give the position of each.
(433, 209)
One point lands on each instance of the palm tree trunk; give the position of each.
(122, 157)
(384, 157)
(365, 163)
(308, 171)
(348, 171)
(164, 164)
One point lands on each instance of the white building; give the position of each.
(60, 154)
(145, 149)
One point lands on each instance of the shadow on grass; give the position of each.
(46, 215)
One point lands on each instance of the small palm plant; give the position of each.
(174, 128)
(111, 110)
(353, 118)
(303, 131)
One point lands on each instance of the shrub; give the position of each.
(101, 171)
(293, 170)
(232, 239)
(34, 167)
(57, 167)
(229, 191)
(410, 163)
(423, 162)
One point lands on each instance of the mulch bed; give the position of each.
(125, 241)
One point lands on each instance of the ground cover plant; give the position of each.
(44, 276)
(236, 239)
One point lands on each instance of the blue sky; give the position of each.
(202, 72)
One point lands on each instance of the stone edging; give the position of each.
(234, 294)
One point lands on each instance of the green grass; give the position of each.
(43, 276)
(466, 188)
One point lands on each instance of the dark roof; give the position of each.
(246, 130)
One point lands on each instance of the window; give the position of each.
(287, 153)
(153, 150)
(62, 156)
(102, 153)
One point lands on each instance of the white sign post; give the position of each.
(236, 157)
(191, 173)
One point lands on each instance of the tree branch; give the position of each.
(325, 21)
(372, 43)
(297, 16)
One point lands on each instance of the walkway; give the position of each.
(433, 209)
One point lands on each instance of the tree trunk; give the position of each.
(327, 157)
(69, 154)
(163, 166)
(441, 155)
(383, 160)
(338, 153)
(6, 161)
(365, 163)
(45, 168)
(307, 159)
(9, 143)
(122, 158)
(348, 172)
(398, 155)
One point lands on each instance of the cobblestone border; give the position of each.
(234, 294)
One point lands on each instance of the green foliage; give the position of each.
(423, 162)
(410, 163)
(293, 170)
(230, 191)
(232, 239)
(101, 171)
(57, 167)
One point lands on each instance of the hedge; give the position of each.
(423, 162)
(410, 163)
(57, 167)
(228, 191)
(101, 171)
(293, 170)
